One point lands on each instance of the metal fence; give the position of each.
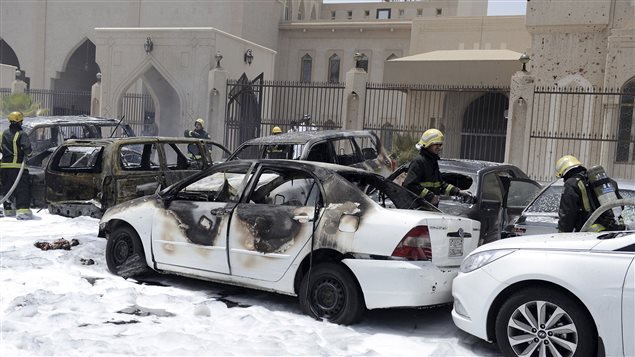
(57, 102)
(139, 113)
(595, 125)
(255, 107)
(473, 119)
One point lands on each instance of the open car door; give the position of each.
(518, 193)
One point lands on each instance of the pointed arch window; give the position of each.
(626, 122)
(306, 68)
(392, 56)
(334, 68)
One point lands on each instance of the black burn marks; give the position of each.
(271, 228)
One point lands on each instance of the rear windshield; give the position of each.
(77, 159)
(548, 201)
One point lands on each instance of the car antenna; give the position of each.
(116, 126)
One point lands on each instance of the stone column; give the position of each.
(354, 99)
(217, 103)
(521, 96)
(95, 97)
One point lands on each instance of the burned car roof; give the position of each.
(302, 137)
(471, 165)
(64, 119)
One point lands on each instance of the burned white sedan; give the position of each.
(343, 240)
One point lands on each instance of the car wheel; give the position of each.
(331, 292)
(544, 322)
(124, 252)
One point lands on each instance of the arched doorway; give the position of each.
(152, 106)
(8, 56)
(80, 70)
(484, 128)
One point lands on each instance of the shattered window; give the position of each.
(285, 187)
(139, 157)
(176, 160)
(78, 158)
(368, 145)
(346, 152)
(221, 186)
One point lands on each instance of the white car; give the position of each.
(566, 294)
(297, 228)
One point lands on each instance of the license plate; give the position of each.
(456, 247)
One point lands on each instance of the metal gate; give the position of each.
(473, 119)
(255, 107)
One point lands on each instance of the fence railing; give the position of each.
(254, 108)
(595, 125)
(472, 118)
(139, 113)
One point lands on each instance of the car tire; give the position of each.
(124, 253)
(330, 291)
(517, 321)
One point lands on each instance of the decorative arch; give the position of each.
(392, 56)
(7, 54)
(334, 68)
(306, 68)
(79, 68)
(313, 15)
(167, 96)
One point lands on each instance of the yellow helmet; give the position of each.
(276, 130)
(200, 121)
(566, 163)
(429, 137)
(16, 117)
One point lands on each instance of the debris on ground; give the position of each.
(57, 244)
(86, 261)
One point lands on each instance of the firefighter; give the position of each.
(424, 177)
(16, 148)
(198, 133)
(579, 199)
(276, 130)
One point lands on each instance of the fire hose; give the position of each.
(15, 183)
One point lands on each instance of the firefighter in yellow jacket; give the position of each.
(16, 148)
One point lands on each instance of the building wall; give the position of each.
(45, 33)
(483, 33)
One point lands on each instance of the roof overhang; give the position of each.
(455, 67)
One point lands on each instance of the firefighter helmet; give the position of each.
(566, 163)
(200, 121)
(16, 117)
(276, 130)
(429, 137)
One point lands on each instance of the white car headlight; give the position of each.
(481, 259)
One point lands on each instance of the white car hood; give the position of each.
(559, 241)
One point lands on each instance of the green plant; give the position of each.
(404, 148)
(20, 102)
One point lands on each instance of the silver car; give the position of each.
(541, 215)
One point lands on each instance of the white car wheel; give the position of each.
(544, 322)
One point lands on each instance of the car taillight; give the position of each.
(415, 245)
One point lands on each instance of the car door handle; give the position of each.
(303, 218)
(219, 211)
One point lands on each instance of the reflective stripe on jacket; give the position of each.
(15, 146)
(424, 177)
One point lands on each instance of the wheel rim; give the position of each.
(122, 249)
(541, 328)
(328, 297)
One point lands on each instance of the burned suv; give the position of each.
(47, 132)
(85, 177)
(356, 148)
